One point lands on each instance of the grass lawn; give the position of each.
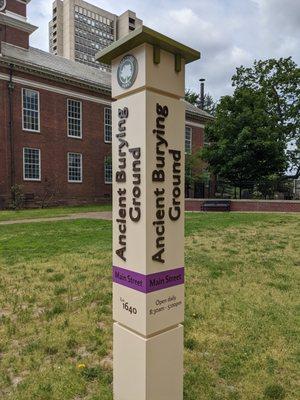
(50, 212)
(241, 327)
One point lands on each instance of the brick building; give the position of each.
(56, 121)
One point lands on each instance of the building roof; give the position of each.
(194, 111)
(57, 66)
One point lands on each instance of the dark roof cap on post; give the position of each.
(141, 35)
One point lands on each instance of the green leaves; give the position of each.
(194, 98)
(279, 83)
(246, 143)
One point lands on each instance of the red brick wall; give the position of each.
(4, 145)
(14, 36)
(16, 7)
(198, 139)
(54, 145)
(197, 136)
(250, 205)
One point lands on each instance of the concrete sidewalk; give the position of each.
(106, 215)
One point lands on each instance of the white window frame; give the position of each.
(191, 139)
(40, 165)
(105, 181)
(81, 118)
(39, 112)
(81, 167)
(105, 124)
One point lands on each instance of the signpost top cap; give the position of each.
(141, 35)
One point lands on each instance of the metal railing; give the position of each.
(281, 189)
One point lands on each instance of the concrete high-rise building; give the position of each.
(78, 30)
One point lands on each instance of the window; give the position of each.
(108, 170)
(75, 167)
(75, 118)
(31, 164)
(188, 139)
(31, 110)
(107, 125)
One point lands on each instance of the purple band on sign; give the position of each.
(148, 283)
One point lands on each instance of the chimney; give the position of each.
(14, 28)
(202, 94)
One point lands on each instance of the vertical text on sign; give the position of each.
(126, 156)
(159, 177)
(120, 178)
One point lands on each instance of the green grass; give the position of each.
(50, 212)
(242, 308)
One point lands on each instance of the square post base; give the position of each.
(148, 368)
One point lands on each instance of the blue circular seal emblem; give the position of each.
(127, 71)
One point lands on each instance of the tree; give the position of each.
(279, 82)
(194, 98)
(195, 170)
(18, 198)
(245, 144)
(50, 191)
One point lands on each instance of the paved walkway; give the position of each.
(107, 215)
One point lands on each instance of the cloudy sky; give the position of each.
(229, 33)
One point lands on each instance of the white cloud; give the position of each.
(39, 14)
(185, 17)
(239, 56)
(227, 32)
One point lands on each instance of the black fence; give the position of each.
(283, 189)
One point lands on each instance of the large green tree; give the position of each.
(245, 144)
(194, 98)
(279, 81)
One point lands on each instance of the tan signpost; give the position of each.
(148, 82)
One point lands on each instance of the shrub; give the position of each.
(18, 198)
